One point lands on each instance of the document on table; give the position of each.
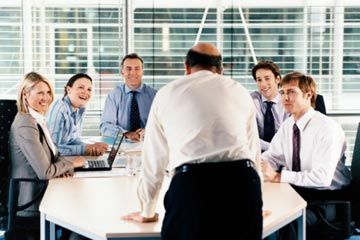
(131, 146)
(115, 172)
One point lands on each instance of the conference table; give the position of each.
(93, 208)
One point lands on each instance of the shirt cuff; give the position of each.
(287, 176)
(148, 209)
(82, 149)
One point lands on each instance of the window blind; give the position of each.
(61, 38)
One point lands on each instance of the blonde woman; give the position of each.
(32, 152)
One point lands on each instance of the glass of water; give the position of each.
(133, 163)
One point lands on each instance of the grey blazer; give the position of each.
(31, 157)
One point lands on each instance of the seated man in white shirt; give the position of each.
(309, 147)
(319, 162)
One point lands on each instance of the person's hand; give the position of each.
(266, 213)
(66, 175)
(135, 135)
(141, 134)
(136, 216)
(78, 161)
(269, 173)
(96, 149)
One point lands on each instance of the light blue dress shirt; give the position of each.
(277, 110)
(116, 113)
(65, 126)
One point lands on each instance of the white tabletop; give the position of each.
(94, 206)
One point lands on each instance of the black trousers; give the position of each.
(202, 203)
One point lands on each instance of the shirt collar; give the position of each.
(70, 107)
(275, 100)
(200, 73)
(303, 121)
(139, 89)
(38, 116)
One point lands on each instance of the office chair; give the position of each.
(338, 217)
(15, 227)
(8, 111)
(354, 188)
(320, 104)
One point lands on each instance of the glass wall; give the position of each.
(60, 38)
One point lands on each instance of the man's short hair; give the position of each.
(132, 56)
(305, 82)
(266, 64)
(206, 61)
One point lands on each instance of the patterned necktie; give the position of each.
(269, 125)
(134, 113)
(296, 149)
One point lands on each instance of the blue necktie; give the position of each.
(269, 124)
(134, 113)
(296, 149)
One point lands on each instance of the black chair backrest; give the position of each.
(355, 164)
(8, 111)
(320, 104)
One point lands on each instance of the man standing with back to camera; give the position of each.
(202, 127)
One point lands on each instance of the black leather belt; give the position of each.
(192, 167)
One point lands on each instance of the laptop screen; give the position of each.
(115, 147)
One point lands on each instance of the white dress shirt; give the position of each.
(322, 148)
(202, 117)
(277, 110)
(41, 120)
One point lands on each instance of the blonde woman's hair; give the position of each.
(26, 85)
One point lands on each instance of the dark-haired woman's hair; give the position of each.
(73, 79)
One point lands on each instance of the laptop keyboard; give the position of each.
(96, 164)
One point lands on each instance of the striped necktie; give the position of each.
(296, 167)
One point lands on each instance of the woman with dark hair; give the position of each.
(65, 119)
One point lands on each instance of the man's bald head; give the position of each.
(204, 56)
(206, 48)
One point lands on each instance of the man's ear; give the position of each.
(277, 80)
(309, 94)
(187, 68)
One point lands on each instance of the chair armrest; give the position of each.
(337, 218)
(14, 191)
(14, 194)
(329, 202)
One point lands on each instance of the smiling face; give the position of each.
(39, 97)
(267, 83)
(132, 71)
(80, 92)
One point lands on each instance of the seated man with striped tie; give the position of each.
(270, 112)
(309, 147)
(127, 106)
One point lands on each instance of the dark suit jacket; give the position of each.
(320, 104)
(32, 158)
